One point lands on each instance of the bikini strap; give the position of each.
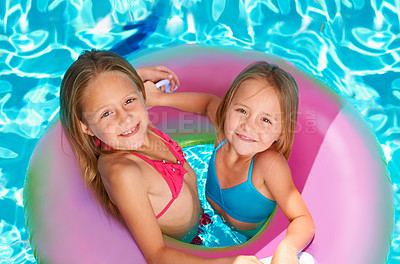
(250, 170)
(174, 186)
(221, 144)
(157, 131)
(171, 144)
(166, 208)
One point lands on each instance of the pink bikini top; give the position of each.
(171, 172)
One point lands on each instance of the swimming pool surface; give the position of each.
(216, 234)
(353, 46)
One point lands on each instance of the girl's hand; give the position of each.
(153, 94)
(246, 260)
(157, 73)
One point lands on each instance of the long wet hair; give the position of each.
(287, 91)
(74, 84)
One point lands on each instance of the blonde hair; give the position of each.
(77, 78)
(287, 91)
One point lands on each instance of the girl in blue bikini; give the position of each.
(248, 171)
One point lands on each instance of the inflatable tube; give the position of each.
(336, 165)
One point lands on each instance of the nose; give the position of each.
(248, 124)
(124, 118)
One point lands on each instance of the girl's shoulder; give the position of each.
(271, 156)
(271, 163)
(119, 165)
(122, 175)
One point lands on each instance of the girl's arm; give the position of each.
(301, 228)
(128, 189)
(200, 103)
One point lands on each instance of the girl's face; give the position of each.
(253, 120)
(114, 111)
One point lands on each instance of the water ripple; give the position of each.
(351, 45)
(12, 248)
(217, 234)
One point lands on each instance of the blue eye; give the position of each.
(105, 114)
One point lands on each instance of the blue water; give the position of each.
(351, 45)
(216, 234)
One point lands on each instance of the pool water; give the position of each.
(352, 46)
(216, 234)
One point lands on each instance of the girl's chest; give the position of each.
(166, 179)
(231, 174)
(185, 197)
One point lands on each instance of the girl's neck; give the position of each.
(148, 144)
(233, 157)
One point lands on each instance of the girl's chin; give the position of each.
(246, 153)
(244, 150)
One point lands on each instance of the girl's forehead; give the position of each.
(113, 81)
(115, 76)
(258, 97)
(108, 87)
(257, 90)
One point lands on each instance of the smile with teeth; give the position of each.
(245, 138)
(131, 131)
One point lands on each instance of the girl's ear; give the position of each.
(86, 129)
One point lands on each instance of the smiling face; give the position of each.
(253, 119)
(114, 111)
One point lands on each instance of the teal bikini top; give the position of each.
(242, 202)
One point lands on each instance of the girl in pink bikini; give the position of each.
(138, 174)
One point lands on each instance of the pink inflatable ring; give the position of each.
(336, 165)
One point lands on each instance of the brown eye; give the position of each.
(105, 114)
(130, 100)
(242, 111)
(264, 119)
